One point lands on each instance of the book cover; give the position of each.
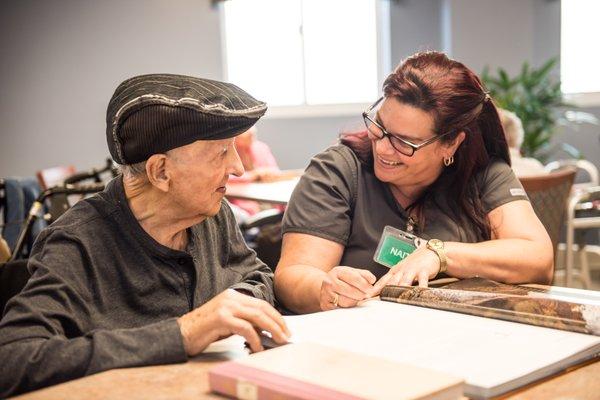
(569, 310)
(311, 371)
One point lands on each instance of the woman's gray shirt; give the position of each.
(104, 294)
(340, 199)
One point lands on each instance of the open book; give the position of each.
(493, 356)
(559, 308)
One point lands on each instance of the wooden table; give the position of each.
(190, 381)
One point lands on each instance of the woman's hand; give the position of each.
(345, 287)
(421, 265)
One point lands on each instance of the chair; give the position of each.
(51, 177)
(35, 213)
(19, 195)
(587, 200)
(582, 216)
(581, 165)
(55, 176)
(549, 195)
(267, 240)
(66, 177)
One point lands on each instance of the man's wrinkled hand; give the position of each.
(231, 313)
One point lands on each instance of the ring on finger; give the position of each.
(336, 298)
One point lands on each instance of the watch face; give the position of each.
(438, 244)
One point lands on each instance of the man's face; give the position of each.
(198, 174)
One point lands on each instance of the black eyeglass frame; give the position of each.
(385, 133)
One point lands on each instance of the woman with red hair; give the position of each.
(431, 171)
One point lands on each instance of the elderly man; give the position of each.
(153, 269)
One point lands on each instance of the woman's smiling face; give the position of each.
(416, 126)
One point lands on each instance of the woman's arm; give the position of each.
(308, 278)
(520, 252)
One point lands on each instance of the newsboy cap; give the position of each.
(150, 114)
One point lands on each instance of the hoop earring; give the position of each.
(448, 161)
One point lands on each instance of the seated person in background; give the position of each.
(433, 162)
(153, 269)
(257, 159)
(259, 165)
(513, 130)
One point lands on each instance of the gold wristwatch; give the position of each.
(437, 246)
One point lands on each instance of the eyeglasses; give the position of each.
(377, 132)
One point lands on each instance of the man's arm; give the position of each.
(46, 335)
(257, 277)
(30, 363)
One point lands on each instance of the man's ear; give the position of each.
(156, 169)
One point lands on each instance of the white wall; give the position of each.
(60, 61)
(416, 26)
(585, 137)
(491, 33)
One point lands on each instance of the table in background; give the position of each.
(278, 192)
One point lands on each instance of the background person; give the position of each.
(259, 166)
(513, 130)
(256, 156)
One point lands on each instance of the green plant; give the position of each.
(535, 96)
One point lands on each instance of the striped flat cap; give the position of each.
(151, 114)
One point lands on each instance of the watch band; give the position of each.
(437, 246)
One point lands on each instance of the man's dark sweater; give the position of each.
(104, 294)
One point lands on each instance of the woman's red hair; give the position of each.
(456, 99)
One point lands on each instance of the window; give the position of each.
(580, 61)
(305, 53)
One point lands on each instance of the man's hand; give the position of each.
(345, 287)
(231, 313)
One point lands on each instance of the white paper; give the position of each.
(485, 352)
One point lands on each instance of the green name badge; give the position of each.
(394, 246)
